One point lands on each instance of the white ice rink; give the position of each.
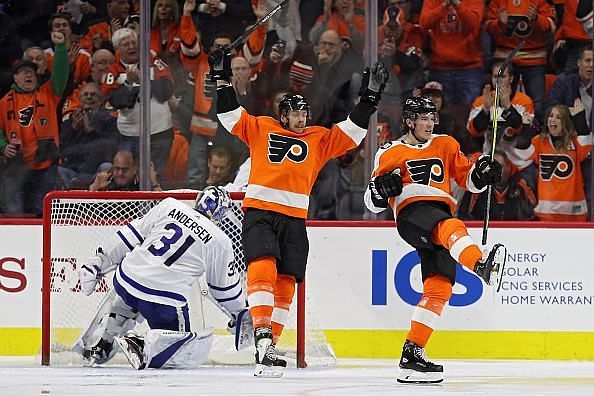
(359, 377)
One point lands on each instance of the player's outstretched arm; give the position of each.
(374, 82)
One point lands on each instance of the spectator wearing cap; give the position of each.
(400, 44)
(445, 124)
(454, 29)
(29, 133)
(344, 18)
(133, 22)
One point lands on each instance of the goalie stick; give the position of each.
(500, 72)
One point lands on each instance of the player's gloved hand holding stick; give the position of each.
(385, 186)
(486, 172)
(220, 65)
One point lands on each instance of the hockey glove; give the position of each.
(486, 172)
(385, 186)
(220, 65)
(89, 275)
(374, 83)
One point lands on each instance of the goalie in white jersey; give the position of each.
(162, 255)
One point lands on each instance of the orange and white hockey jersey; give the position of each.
(285, 164)
(560, 187)
(426, 170)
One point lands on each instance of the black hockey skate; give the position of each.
(267, 363)
(100, 353)
(415, 368)
(491, 269)
(132, 347)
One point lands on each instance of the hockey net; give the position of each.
(77, 222)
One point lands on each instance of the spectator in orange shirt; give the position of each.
(454, 29)
(565, 141)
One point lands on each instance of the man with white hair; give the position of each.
(121, 86)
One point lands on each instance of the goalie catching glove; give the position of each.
(385, 186)
(220, 65)
(486, 172)
(374, 83)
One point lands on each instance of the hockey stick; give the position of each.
(500, 72)
(243, 38)
(216, 56)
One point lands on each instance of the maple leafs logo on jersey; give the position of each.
(280, 146)
(559, 165)
(25, 116)
(423, 171)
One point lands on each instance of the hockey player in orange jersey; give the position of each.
(412, 177)
(286, 158)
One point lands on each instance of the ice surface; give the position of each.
(351, 377)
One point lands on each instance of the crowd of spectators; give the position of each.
(70, 78)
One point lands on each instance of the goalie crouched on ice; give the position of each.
(412, 176)
(287, 156)
(162, 255)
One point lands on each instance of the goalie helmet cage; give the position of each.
(76, 222)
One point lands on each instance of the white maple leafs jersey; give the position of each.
(168, 249)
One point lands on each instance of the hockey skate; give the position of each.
(132, 346)
(415, 368)
(100, 353)
(267, 363)
(491, 269)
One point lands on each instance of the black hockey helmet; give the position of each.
(416, 105)
(293, 102)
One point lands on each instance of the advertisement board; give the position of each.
(365, 281)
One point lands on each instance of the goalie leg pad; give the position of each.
(177, 349)
(113, 318)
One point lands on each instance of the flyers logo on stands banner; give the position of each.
(281, 147)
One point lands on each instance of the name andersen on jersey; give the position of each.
(190, 224)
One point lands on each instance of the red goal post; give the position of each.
(74, 224)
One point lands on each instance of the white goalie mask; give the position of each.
(214, 203)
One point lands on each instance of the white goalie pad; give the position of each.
(168, 349)
(113, 317)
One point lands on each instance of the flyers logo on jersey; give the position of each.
(424, 171)
(559, 165)
(25, 116)
(280, 146)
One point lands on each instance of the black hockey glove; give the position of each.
(374, 83)
(220, 65)
(486, 172)
(385, 186)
